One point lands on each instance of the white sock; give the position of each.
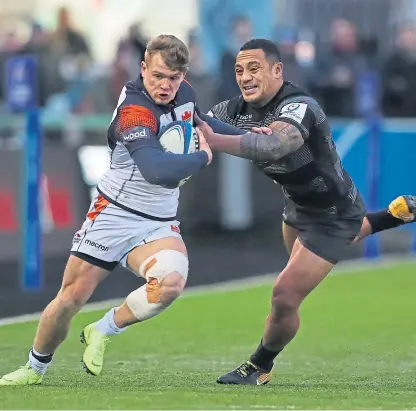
(107, 326)
(38, 366)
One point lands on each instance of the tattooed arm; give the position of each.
(285, 138)
(294, 121)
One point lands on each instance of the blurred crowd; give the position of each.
(72, 81)
(331, 70)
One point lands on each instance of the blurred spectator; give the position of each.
(242, 31)
(399, 76)
(337, 72)
(50, 80)
(65, 39)
(9, 46)
(70, 48)
(287, 38)
(201, 80)
(130, 53)
(10, 43)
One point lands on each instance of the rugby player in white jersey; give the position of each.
(132, 220)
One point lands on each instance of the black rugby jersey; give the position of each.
(311, 177)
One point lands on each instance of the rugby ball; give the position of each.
(179, 137)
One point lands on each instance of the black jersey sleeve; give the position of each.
(303, 112)
(219, 111)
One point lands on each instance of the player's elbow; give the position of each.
(159, 178)
(154, 170)
(151, 178)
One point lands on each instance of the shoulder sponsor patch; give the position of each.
(295, 111)
(135, 134)
(135, 116)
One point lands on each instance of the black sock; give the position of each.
(382, 220)
(263, 357)
(44, 359)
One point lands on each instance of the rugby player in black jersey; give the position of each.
(324, 212)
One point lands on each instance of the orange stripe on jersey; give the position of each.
(187, 82)
(99, 206)
(136, 116)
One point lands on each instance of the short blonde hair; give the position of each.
(173, 51)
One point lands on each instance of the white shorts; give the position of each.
(109, 233)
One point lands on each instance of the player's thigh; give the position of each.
(110, 235)
(304, 271)
(290, 234)
(107, 234)
(319, 246)
(138, 255)
(80, 279)
(163, 245)
(329, 238)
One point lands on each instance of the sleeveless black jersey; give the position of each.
(312, 177)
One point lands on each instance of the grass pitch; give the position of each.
(356, 350)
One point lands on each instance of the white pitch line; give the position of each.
(350, 267)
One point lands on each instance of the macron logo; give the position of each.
(96, 245)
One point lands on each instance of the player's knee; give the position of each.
(166, 273)
(79, 282)
(171, 288)
(70, 298)
(285, 300)
(74, 295)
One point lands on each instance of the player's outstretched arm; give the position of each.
(285, 138)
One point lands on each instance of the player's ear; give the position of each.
(278, 70)
(143, 68)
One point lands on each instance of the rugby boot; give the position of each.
(246, 374)
(403, 208)
(96, 343)
(25, 375)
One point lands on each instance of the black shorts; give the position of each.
(327, 236)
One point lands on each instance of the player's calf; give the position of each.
(165, 272)
(79, 281)
(303, 273)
